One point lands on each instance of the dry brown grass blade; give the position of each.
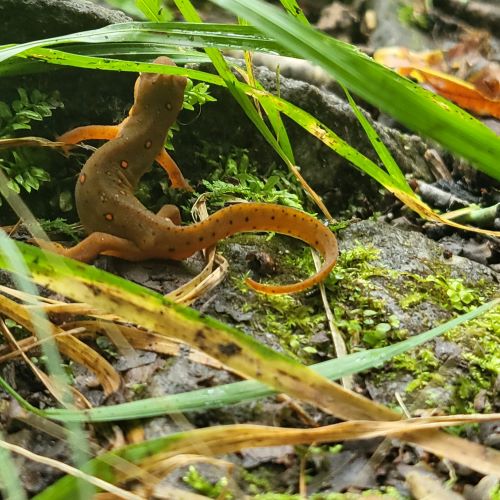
(209, 277)
(238, 351)
(232, 438)
(55, 389)
(67, 469)
(203, 283)
(337, 339)
(55, 306)
(81, 353)
(426, 212)
(150, 341)
(40, 142)
(68, 345)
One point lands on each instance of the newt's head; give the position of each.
(154, 91)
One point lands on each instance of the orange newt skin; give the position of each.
(120, 226)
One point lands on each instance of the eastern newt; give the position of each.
(119, 225)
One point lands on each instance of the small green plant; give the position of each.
(241, 179)
(194, 95)
(460, 297)
(495, 493)
(62, 227)
(202, 485)
(412, 17)
(19, 165)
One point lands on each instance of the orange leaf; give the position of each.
(463, 93)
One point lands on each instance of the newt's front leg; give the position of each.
(97, 244)
(109, 132)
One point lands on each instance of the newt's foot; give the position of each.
(49, 246)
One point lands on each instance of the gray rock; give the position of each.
(27, 20)
(409, 252)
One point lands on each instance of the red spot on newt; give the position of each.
(124, 164)
(108, 216)
(82, 178)
(148, 144)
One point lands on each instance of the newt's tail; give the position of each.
(249, 217)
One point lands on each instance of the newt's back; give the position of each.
(105, 190)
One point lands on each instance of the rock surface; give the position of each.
(27, 20)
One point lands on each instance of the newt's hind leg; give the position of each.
(170, 212)
(97, 244)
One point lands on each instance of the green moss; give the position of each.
(256, 482)
(478, 341)
(361, 316)
(290, 320)
(495, 493)
(384, 493)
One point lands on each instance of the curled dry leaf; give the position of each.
(462, 74)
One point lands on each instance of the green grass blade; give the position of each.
(269, 101)
(232, 83)
(232, 347)
(165, 34)
(381, 149)
(415, 107)
(21, 276)
(238, 392)
(10, 485)
(154, 10)
(293, 8)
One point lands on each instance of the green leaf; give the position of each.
(415, 107)
(5, 112)
(14, 186)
